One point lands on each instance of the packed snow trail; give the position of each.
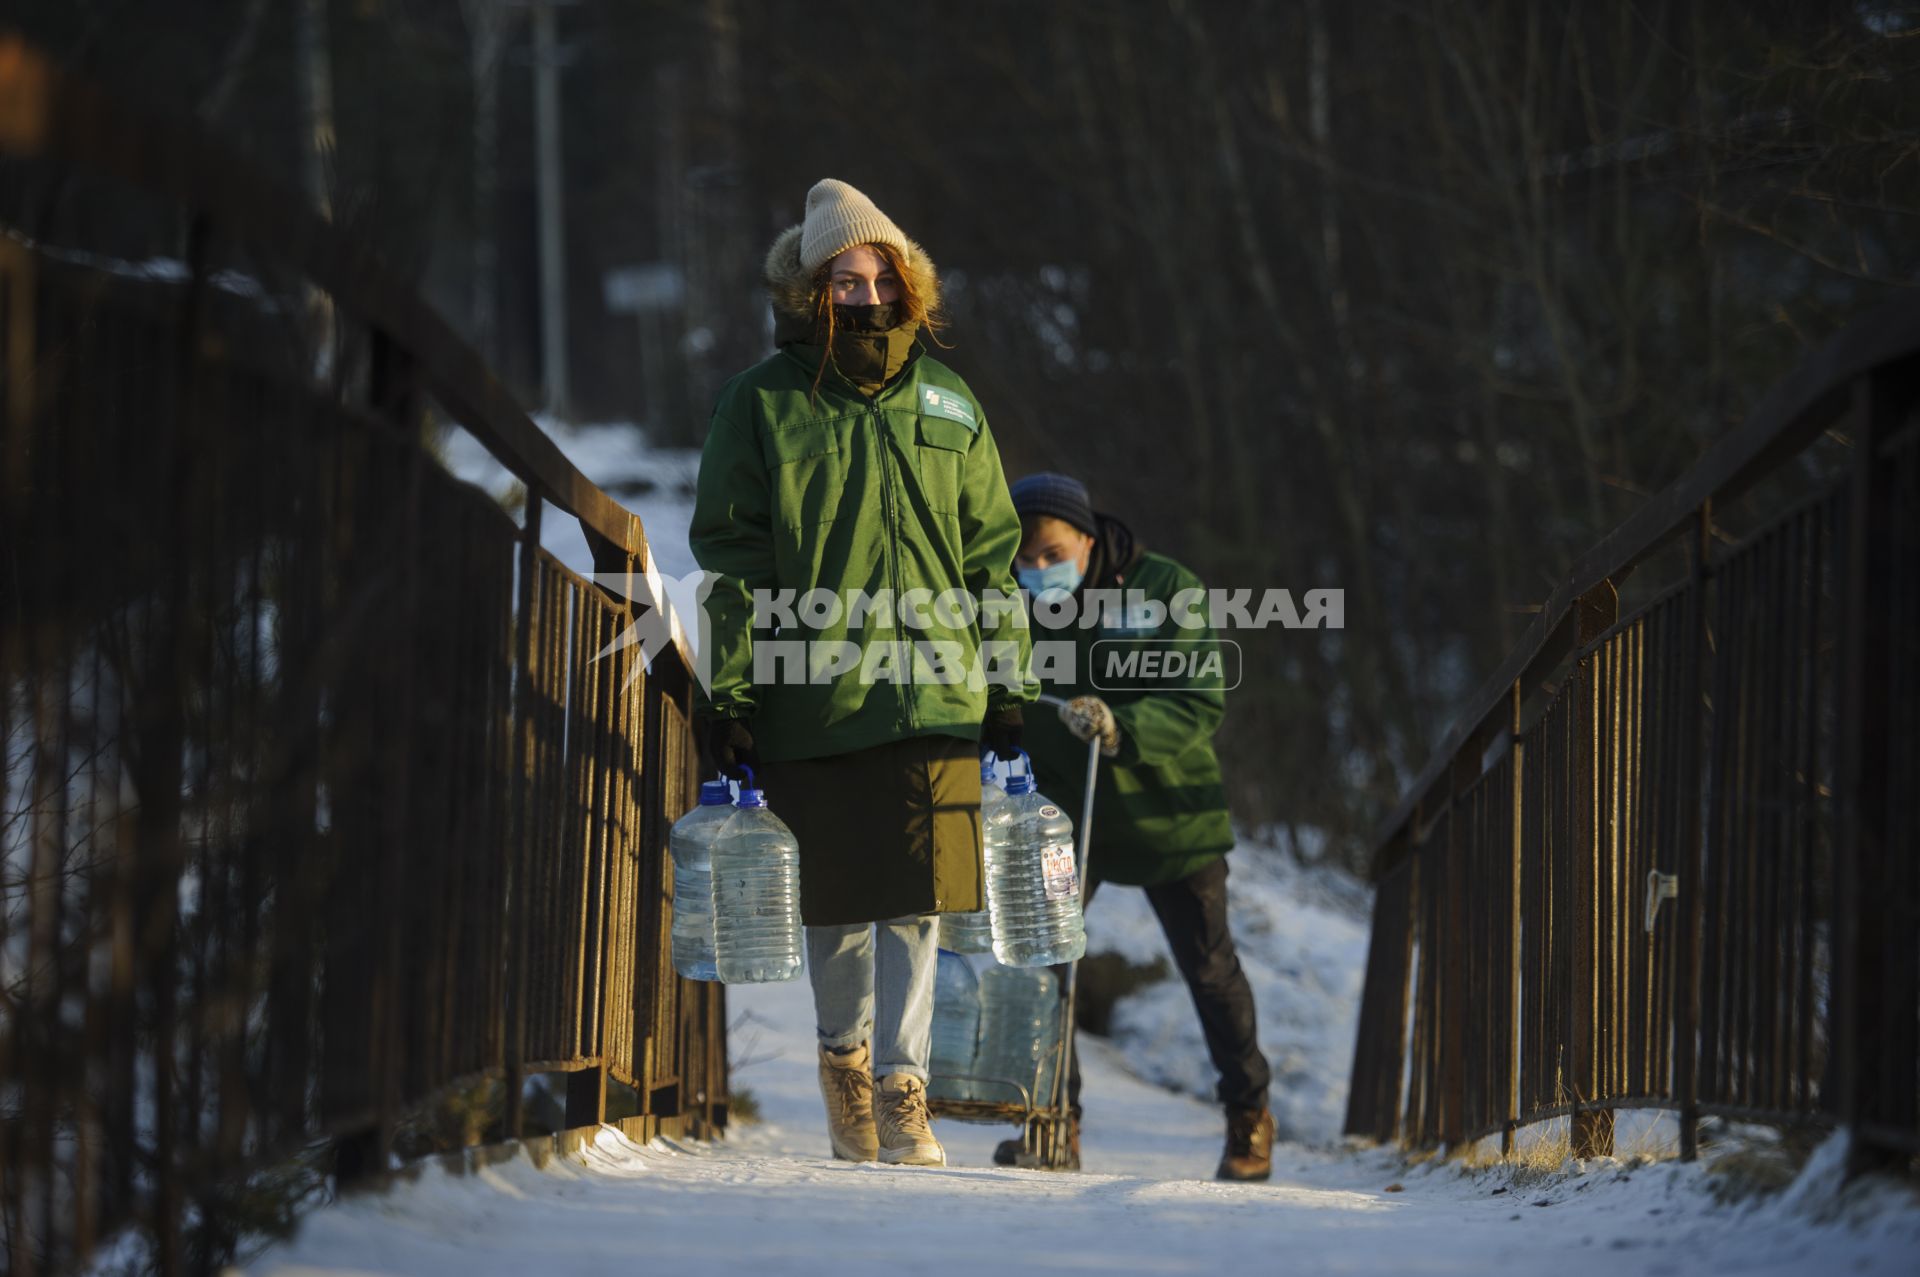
(769, 1200)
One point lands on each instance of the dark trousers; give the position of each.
(1193, 914)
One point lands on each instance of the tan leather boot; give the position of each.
(1249, 1153)
(900, 1113)
(846, 1084)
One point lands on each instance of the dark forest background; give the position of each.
(1408, 297)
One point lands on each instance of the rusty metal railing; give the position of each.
(320, 803)
(1669, 859)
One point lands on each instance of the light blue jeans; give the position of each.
(880, 989)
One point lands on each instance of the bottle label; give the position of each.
(1049, 812)
(1057, 871)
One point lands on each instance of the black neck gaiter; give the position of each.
(870, 343)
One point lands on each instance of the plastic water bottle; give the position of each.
(973, 932)
(1019, 1029)
(756, 894)
(956, 1027)
(1033, 879)
(691, 843)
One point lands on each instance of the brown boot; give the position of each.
(1249, 1154)
(900, 1116)
(846, 1086)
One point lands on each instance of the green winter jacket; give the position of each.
(894, 494)
(1159, 811)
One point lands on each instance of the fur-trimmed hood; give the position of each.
(790, 285)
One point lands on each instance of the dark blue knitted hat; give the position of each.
(1048, 493)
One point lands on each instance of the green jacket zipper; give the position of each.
(893, 555)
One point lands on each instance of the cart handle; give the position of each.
(1062, 1060)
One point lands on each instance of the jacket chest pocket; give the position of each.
(806, 467)
(940, 456)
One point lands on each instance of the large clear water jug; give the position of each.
(973, 932)
(1019, 1030)
(956, 1028)
(756, 894)
(690, 842)
(1033, 879)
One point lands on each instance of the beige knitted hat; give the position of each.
(838, 217)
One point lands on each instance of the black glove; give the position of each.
(1000, 732)
(725, 745)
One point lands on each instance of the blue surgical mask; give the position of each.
(1063, 576)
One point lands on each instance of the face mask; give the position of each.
(1063, 576)
(876, 318)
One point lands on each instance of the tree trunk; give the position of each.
(314, 58)
(486, 42)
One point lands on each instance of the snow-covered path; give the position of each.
(767, 1200)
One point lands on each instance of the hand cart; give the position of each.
(1038, 1104)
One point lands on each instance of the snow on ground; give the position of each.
(1302, 938)
(769, 1200)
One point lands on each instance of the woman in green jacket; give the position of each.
(848, 480)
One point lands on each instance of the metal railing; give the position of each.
(321, 802)
(1669, 859)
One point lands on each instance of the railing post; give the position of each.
(1688, 866)
(1860, 1086)
(368, 1153)
(1516, 747)
(1591, 1129)
(1380, 1044)
(520, 768)
(1417, 1105)
(1456, 994)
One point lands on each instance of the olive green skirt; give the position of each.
(884, 832)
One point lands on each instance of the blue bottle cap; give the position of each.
(749, 796)
(986, 768)
(715, 793)
(1021, 782)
